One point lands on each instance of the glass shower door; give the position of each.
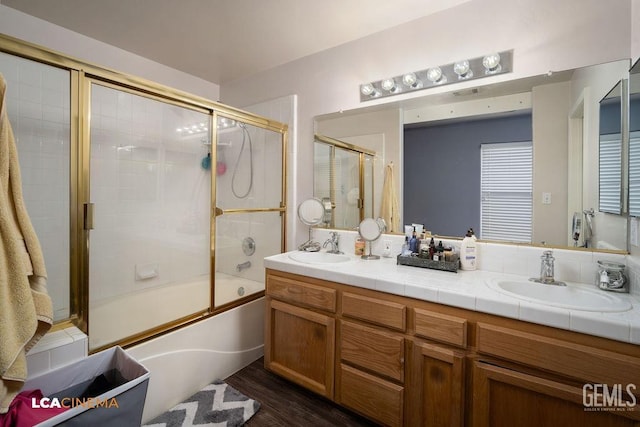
(150, 185)
(249, 198)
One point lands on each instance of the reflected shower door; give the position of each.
(347, 188)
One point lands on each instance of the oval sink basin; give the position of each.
(318, 257)
(572, 297)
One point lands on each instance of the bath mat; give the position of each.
(218, 404)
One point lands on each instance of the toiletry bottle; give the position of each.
(432, 248)
(359, 246)
(440, 251)
(405, 247)
(413, 243)
(468, 252)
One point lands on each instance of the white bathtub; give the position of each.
(118, 317)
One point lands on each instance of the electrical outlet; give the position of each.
(546, 198)
(386, 250)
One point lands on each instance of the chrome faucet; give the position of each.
(243, 266)
(546, 270)
(333, 240)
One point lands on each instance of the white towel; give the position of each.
(389, 208)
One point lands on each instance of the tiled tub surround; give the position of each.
(468, 289)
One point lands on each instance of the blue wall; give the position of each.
(442, 170)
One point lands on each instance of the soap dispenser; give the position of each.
(468, 254)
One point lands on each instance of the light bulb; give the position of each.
(367, 89)
(462, 69)
(410, 79)
(492, 63)
(389, 85)
(434, 74)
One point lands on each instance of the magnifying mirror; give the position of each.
(370, 229)
(311, 212)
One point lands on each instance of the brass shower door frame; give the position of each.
(83, 74)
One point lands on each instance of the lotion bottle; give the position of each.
(468, 252)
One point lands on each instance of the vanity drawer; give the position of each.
(372, 349)
(371, 396)
(562, 357)
(301, 293)
(441, 327)
(373, 310)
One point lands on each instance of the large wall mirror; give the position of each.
(551, 120)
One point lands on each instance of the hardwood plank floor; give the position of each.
(286, 404)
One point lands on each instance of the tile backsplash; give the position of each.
(570, 265)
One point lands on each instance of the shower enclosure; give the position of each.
(157, 240)
(154, 207)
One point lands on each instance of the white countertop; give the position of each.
(468, 290)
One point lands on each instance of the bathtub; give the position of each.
(114, 318)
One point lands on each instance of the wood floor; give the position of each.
(286, 404)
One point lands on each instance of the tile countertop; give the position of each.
(468, 290)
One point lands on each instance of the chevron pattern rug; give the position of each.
(216, 405)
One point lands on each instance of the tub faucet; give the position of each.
(333, 240)
(546, 270)
(243, 266)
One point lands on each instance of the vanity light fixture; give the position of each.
(463, 70)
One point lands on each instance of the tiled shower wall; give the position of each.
(38, 103)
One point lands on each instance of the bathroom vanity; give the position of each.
(346, 330)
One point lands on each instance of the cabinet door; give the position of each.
(371, 396)
(436, 386)
(299, 345)
(504, 397)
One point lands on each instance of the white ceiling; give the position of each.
(221, 40)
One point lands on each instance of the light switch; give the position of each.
(546, 198)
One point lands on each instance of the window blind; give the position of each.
(506, 181)
(634, 174)
(610, 173)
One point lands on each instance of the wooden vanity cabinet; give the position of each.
(300, 333)
(508, 397)
(404, 362)
(526, 379)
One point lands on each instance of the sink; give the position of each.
(572, 296)
(318, 257)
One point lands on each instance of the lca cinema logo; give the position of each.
(603, 397)
(73, 402)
